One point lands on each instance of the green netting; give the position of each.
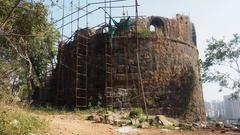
(124, 25)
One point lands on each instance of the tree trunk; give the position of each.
(30, 80)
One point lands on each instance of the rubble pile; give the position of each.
(122, 119)
(126, 121)
(223, 127)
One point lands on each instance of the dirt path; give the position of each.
(73, 125)
(70, 125)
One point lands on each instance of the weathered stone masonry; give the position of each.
(169, 67)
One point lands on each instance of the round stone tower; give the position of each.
(169, 65)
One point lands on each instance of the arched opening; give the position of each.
(157, 25)
(152, 28)
(157, 22)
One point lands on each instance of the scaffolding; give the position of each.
(80, 68)
(108, 73)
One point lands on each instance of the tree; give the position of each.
(27, 42)
(222, 64)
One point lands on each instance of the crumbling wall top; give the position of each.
(86, 32)
(180, 27)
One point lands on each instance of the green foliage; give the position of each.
(6, 98)
(222, 64)
(142, 118)
(185, 126)
(145, 33)
(18, 122)
(136, 112)
(97, 109)
(209, 119)
(29, 57)
(50, 109)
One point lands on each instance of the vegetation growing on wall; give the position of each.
(146, 33)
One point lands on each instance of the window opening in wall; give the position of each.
(157, 22)
(152, 28)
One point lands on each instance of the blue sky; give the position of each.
(212, 18)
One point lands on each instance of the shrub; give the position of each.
(96, 109)
(18, 122)
(145, 33)
(142, 119)
(49, 109)
(136, 112)
(209, 119)
(185, 126)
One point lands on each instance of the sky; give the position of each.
(212, 18)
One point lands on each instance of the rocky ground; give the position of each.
(71, 124)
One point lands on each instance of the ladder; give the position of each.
(60, 89)
(81, 70)
(108, 70)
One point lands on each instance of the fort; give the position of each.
(158, 65)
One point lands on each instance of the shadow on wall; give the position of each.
(184, 93)
(181, 97)
(176, 100)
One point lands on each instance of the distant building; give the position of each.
(227, 109)
(208, 109)
(232, 108)
(215, 109)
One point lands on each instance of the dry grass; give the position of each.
(15, 121)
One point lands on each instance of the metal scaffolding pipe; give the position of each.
(89, 4)
(78, 18)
